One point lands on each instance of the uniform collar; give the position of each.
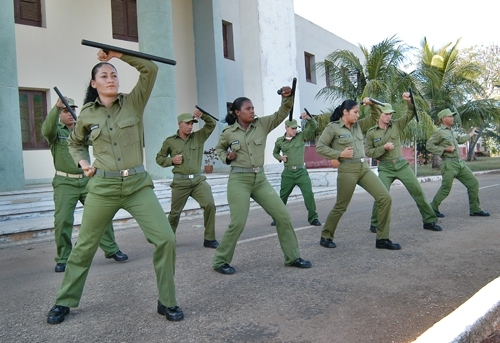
(119, 98)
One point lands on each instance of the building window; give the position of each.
(28, 12)
(124, 20)
(227, 38)
(309, 65)
(33, 109)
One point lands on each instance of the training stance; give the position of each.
(242, 145)
(383, 142)
(342, 140)
(184, 151)
(114, 122)
(444, 143)
(289, 149)
(70, 186)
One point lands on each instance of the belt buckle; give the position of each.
(256, 170)
(362, 159)
(190, 176)
(294, 167)
(124, 172)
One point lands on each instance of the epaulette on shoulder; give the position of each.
(372, 128)
(87, 105)
(227, 127)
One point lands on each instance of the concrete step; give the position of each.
(30, 212)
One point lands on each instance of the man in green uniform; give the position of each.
(291, 146)
(383, 142)
(444, 143)
(70, 186)
(184, 151)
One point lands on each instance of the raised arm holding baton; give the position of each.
(65, 102)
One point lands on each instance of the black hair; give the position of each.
(339, 111)
(236, 106)
(91, 94)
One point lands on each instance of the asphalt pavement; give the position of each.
(353, 293)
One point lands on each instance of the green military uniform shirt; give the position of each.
(116, 132)
(444, 137)
(57, 135)
(191, 149)
(336, 137)
(376, 137)
(250, 145)
(294, 148)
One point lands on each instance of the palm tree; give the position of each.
(378, 75)
(445, 81)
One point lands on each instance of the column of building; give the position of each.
(11, 164)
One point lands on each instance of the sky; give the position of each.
(368, 22)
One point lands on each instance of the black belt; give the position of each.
(246, 170)
(121, 173)
(395, 160)
(186, 176)
(353, 160)
(294, 167)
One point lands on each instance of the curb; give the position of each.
(473, 321)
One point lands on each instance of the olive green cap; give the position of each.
(186, 117)
(446, 113)
(71, 102)
(291, 123)
(387, 108)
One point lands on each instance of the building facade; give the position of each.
(224, 49)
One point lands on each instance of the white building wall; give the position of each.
(319, 42)
(230, 11)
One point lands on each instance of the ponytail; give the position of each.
(339, 111)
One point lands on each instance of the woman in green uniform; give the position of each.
(242, 145)
(114, 122)
(342, 139)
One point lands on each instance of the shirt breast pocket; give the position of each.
(235, 147)
(97, 144)
(345, 142)
(129, 131)
(259, 141)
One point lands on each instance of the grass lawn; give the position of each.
(482, 163)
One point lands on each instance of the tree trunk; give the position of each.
(470, 154)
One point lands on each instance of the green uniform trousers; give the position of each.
(299, 177)
(350, 175)
(457, 170)
(200, 191)
(388, 173)
(134, 194)
(67, 192)
(241, 187)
